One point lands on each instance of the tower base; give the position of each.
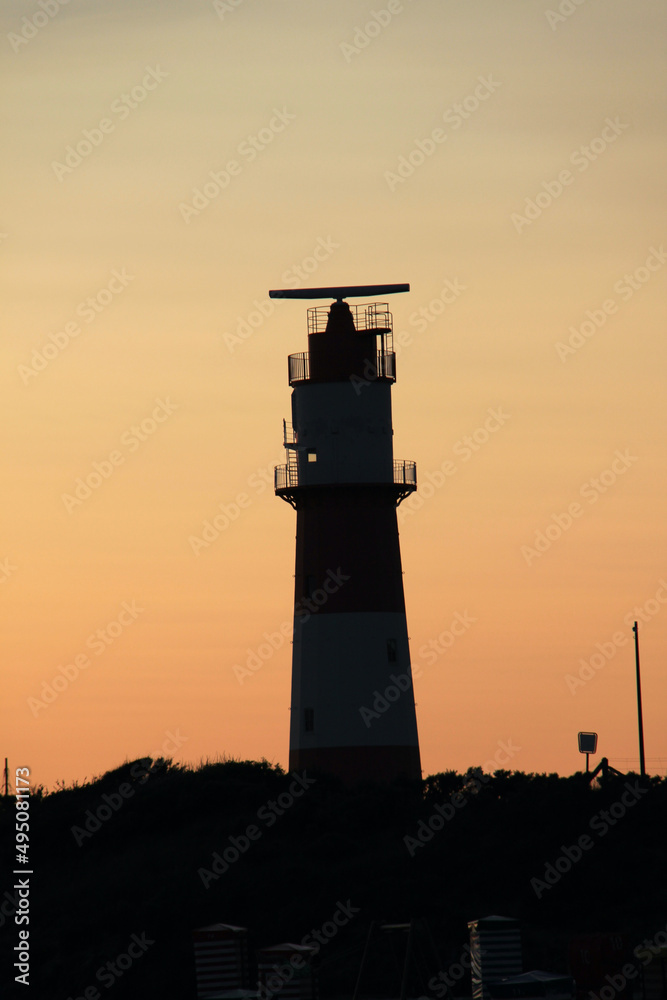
(364, 763)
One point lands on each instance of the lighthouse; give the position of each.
(352, 703)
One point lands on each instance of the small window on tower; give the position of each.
(391, 650)
(312, 455)
(309, 719)
(309, 585)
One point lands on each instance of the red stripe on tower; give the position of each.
(353, 710)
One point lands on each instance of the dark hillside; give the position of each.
(154, 850)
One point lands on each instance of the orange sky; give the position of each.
(505, 159)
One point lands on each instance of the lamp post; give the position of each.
(642, 761)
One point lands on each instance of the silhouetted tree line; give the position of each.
(131, 863)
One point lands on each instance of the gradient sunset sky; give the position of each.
(505, 157)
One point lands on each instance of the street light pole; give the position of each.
(642, 762)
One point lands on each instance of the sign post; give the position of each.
(588, 743)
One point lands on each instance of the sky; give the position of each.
(166, 164)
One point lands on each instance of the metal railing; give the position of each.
(405, 473)
(366, 315)
(289, 435)
(386, 365)
(299, 367)
(287, 476)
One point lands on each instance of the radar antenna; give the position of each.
(339, 293)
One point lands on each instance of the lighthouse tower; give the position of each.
(353, 709)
